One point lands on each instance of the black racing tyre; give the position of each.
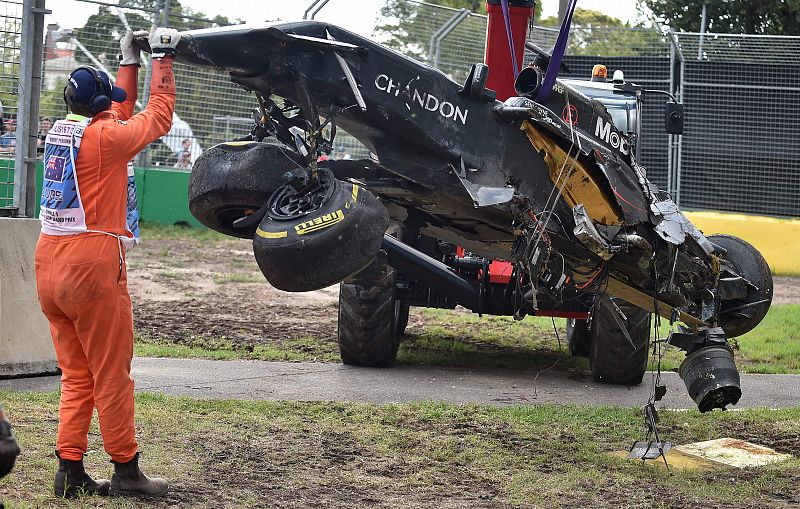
(748, 262)
(401, 318)
(612, 358)
(368, 317)
(578, 337)
(234, 179)
(315, 239)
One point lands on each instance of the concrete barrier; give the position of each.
(25, 344)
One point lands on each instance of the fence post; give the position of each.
(444, 31)
(161, 19)
(30, 85)
(678, 152)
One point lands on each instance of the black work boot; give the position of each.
(72, 480)
(129, 481)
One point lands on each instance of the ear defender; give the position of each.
(100, 100)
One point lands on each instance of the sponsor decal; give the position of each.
(54, 170)
(52, 195)
(319, 223)
(421, 98)
(53, 217)
(570, 114)
(606, 132)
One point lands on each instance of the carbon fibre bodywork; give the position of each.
(421, 125)
(498, 178)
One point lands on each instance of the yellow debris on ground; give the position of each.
(777, 239)
(715, 454)
(677, 460)
(733, 452)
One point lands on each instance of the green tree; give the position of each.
(409, 26)
(596, 33)
(777, 17)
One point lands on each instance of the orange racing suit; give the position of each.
(80, 270)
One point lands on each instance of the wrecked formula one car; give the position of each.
(547, 179)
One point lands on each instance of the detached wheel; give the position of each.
(612, 357)
(319, 236)
(234, 179)
(748, 262)
(578, 337)
(369, 318)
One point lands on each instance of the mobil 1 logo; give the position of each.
(605, 131)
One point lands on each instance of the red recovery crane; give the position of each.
(504, 29)
(505, 47)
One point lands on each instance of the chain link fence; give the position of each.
(740, 93)
(740, 149)
(209, 108)
(11, 19)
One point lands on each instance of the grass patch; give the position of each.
(226, 453)
(297, 350)
(772, 347)
(153, 231)
(237, 277)
(463, 339)
(171, 273)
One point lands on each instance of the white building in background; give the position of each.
(59, 60)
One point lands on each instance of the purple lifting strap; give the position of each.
(557, 56)
(507, 19)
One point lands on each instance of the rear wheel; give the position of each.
(368, 316)
(614, 358)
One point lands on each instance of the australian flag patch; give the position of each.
(54, 169)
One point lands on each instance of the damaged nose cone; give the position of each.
(711, 377)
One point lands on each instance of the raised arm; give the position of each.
(130, 137)
(127, 79)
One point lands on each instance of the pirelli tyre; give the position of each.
(369, 329)
(312, 239)
(234, 179)
(741, 315)
(614, 357)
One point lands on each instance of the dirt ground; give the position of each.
(186, 289)
(197, 292)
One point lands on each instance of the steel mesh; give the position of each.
(10, 40)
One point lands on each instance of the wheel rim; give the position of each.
(287, 203)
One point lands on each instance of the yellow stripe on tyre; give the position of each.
(271, 235)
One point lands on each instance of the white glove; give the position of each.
(163, 41)
(131, 55)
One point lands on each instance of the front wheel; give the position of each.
(740, 316)
(317, 237)
(234, 179)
